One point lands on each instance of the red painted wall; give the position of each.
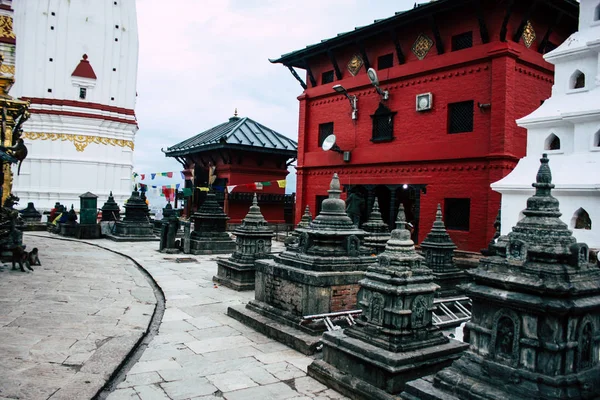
(512, 78)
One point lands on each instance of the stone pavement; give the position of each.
(200, 352)
(67, 326)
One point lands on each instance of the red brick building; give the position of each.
(241, 151)
(472, 67)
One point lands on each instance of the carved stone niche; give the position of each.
(516, 251)
(506, 333)
(304, 242)
(352, 245)
(580, 253)
(586, 338)
(418, 317)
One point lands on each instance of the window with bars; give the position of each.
(462, 41)
(457, 213)
(325, 130)
(385, 61)
(383, 124)
(327, 77)
(460, 117)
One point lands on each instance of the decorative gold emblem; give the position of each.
(528, 34)
(422, 46)
(6, 27)
(7, 69)
(80, 141)
(355, 64)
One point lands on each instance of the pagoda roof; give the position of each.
(241, 133)
(420, 11)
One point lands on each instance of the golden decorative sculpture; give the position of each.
(528, 34)
(13, 113)
(80, 141)
(422, 46)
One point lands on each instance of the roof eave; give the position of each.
(297, 58)
(217, 146)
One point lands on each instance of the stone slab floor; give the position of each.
(65, 327)
(199, 352)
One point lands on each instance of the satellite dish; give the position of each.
(328, 143)
(373, 77)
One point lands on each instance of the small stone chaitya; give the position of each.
(253, 242)
(135, 225)
(378, 232)
(110, 209)
(318, 274)
(535, 329)
(210, 224)
(438, 249)
(394, 339)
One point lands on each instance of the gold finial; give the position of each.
(235, 113)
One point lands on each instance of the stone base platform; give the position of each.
(423, 389)
(361, 370)
(69, 230)
(212, 246)
(235, 275)
(89, 231)
(118, 238)
(34, 226)
(297, 339)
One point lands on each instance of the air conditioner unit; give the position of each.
(424, 102)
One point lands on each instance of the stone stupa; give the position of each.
(535, 329)
(317, 275)
(378, 232)
(438, 249)
(304, 223)
(135, 225)
(210, 229)
(394, 339)
(253, 242)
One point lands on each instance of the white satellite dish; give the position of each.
(328, 143)
(373, 77)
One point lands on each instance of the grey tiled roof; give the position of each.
(237, 132)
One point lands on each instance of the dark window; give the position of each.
(385, 61)
(51, 28)
(579, 80)
(49, 90)
(327, 77)
(552, 142)
(82, 92)
(325, 130)
(457, 213)
(583, 220)
(383, 124)
(462, 41)
(319, 201)
(460, 117)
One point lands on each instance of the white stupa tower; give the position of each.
(567, 127)
(76, 62)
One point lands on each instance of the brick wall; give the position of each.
(343, 297)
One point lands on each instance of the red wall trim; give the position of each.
(83, 115)
(82, 104)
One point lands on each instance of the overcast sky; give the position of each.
(201, 59)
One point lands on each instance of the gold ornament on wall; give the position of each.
(422, 46)
(528, 35)
(6, 27)
(79, 141)
(355, 64)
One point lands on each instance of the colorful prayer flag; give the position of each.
(259, 185)
(153, 175)
(203, 188)
(187, 192)
(266, 183)
(281, 183)
(143, 176)
(170, 174)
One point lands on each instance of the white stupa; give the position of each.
(76, 61)
(567, 127)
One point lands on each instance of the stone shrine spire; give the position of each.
(394, 339)
(378, 232)
(438, 249)
(536, 315)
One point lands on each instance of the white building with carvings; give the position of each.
(76, 62)
(567, 127)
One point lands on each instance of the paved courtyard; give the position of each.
(198, 352)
